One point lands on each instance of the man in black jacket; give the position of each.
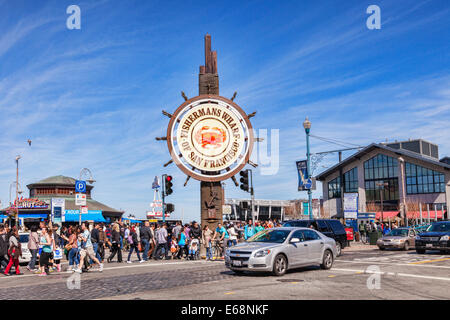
(196, 231)
(95, 239)
(4, 243)
(146, 236)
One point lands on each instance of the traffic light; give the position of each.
(244, 205)
(244, 180)
(168, 185)
(170, 207)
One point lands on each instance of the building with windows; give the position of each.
(280, 210)
(408, 176)
(38, 206)
(264, 209)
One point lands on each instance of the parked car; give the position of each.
(279, 249)
(26, 254)
(422, 228)
(437, 237)
(330, 227)
(400, 238)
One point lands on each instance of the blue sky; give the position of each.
(93, 97)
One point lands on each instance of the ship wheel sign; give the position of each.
(210, 138)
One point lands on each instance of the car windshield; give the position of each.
(440, 227)
(270, 235)
(296, 224)
(398, 233)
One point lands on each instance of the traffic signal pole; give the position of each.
(252, 193)
(163, 195)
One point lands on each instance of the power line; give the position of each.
(329, 141)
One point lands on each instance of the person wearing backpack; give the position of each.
(133, 242)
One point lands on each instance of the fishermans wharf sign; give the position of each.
(210, 138)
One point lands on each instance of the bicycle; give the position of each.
(216, 249)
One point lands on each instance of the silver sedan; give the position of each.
(279, 249)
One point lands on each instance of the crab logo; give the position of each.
(210, 138)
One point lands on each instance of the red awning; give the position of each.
(386, 214)
(416, 214)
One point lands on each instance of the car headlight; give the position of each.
(417, 238)
(262, 253)
(445, 238)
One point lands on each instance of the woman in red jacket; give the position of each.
(14, 251)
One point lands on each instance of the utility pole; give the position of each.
(341, 184)
(17, 190)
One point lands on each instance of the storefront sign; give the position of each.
(31, 204)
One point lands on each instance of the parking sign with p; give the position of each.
(80, 186)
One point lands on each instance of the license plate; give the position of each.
(237, 263)
(429, 245)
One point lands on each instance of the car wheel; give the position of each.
(279, 265)
(381, 248)
(406, 246)
(338, 249)
(420, 251)
(327, 261)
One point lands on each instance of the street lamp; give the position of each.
(382, 185)
(17, 189)
(307, 126)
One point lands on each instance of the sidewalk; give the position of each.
(359, 246)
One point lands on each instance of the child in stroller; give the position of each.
(194, 251)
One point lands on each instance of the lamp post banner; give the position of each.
(304, 181)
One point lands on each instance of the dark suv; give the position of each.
(437, 237)
(329, 227)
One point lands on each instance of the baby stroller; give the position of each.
(194, 249)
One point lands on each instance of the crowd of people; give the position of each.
(367, 227)
(86, 245)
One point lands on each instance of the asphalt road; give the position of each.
(357, 274)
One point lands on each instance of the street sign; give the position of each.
(80, 186)
(366, 215)
(155, 184)
(350, 205)
(84, 209)
(80, 199)
(226, 209)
